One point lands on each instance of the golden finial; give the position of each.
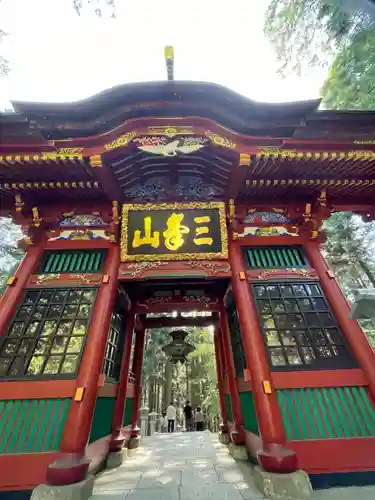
(36, 219)
(169, 60)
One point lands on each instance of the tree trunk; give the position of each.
(167, 396)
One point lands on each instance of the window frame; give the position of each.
(37, 337)
(332, 363)
(238, 353)
(119, 348)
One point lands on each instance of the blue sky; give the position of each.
(56, 55)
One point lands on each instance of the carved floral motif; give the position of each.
(82, 220)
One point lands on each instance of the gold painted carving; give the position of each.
(245, 160)
(19, 203)
(142, 267)
(42, 278)
(50, 185)
(36, 219)
(223, 254)
(305, 273)
(96, 161)
(171, 131)
(115, 214)
(62, 153)
(290, 153)
(218, 140)
(371, 141)
(87, 279)
(120, 142)
(212, 268)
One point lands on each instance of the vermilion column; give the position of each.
(220, 380)
(137, 370)
(350, 328)
(118, 439)
(73, 466)
(13, 294)
(273, 457)
(237, 435)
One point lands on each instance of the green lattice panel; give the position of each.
(275, 257)
(72, 261)
(326, 413)
(32, 425)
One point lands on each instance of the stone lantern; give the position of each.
(179, 348)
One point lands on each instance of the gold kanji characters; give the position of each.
(199, 240)
(174, 232)
(149, 238)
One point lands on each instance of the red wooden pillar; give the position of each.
(273, 457)
(118, 439)
(351, 330)
(137, 370)
(13, 294)
(237, 435)
(221, 380)
(73, 465)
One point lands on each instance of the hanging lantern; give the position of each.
(178, 349)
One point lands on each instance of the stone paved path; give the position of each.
(192, 466)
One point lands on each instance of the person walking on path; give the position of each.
(163, 422)
(188, 412)
(199, 419)
(171, 417)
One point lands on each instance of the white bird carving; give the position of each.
(171, 149)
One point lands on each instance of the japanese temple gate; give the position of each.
(156, 197)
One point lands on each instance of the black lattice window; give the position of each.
(114, 348)
(236, 340)
(299, 329)
(47, 334)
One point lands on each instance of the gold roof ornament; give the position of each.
(169, 60)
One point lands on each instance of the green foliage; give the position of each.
(351, 81)
(349, 250)
(307, 33)
(10, 255)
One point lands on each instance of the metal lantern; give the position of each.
(179, 348)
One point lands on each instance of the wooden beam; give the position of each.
(237, 175)
(180, 322)
(106, 178)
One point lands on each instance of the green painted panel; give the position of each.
(128, 411)
(275, 257)
(327, 413)
(102, 419)
(72, 261)
(248, 412)
(32, 425)
(229, 407)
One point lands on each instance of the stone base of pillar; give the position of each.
(224, 438)
(76, 491)
(134, 442)
(116, 458)
(238, 451)
(293, 486)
